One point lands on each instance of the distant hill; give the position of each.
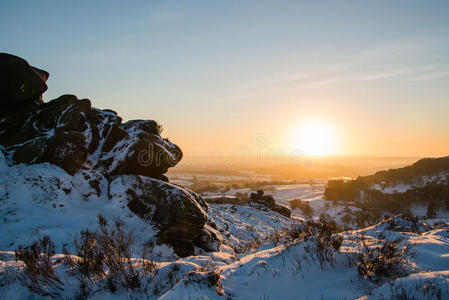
(426, 182)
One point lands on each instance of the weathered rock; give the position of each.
(112, 148)
(101, 122)
(178, 214)
(61, 130)
(225, 200)
(65, 113)
(209, 239)
(268, 202)
(282, 209)
(70, 133)
(64, 149)
(260, 198)
(42, 73)
(19, 82)
(67, 150)
(148, 154)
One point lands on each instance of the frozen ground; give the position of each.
(290, 270)
(260, 256)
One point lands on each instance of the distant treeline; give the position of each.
(359, 192)
(423, 167)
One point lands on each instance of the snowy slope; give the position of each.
(292, 272)
(285, 270)
(258, 257)
(42, 199)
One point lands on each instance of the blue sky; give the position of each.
(215, 74)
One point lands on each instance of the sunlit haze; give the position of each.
(345, 78)
(315, 137)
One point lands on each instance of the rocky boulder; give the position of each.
(282, 209)
(268, 202)
(225, 199)
(19, 82)
(70, 133)
(181, 218)
(208, 239)
(123, 160)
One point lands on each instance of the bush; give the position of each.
(242, 196)
(294, 233)
(326, 244)
(306, 209)
(211, 278)
(383, 260)
(104, 256)
(38, 274)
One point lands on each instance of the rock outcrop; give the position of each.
(19, 82)
(70, 133)
(130, 157)
(225, 199)
(179, 215)
(269, 202)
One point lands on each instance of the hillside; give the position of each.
(424, 185)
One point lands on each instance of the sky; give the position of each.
(230, 75)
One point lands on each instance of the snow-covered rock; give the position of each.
(179, 215)
(71, 134)
(64, 153)
(20, 83)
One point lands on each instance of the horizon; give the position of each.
(320, 80)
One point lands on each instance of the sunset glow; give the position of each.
(215, 77)
(315, 137)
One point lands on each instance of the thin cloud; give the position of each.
(402, 60)
(434, 75)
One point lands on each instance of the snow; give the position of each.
(256, 259)
(415, 183)
(399, 188)
(290, 272)
(42, 199)
(242, 224)
(425, 285)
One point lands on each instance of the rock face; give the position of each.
(225, 200)
(180, 214)
(71, 134)
(269, 202)
(19, 82)
(130, 158)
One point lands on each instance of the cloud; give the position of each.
(405, 61)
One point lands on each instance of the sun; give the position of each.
(315, 137)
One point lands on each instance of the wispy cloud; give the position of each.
(406, 61)
(382, 75)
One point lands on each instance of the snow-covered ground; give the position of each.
(290, 270)
(261, 256)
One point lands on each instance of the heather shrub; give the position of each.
(104, 258)
(325, 243)
(37, 273)
(382, 260)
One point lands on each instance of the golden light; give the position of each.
(315, 137)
